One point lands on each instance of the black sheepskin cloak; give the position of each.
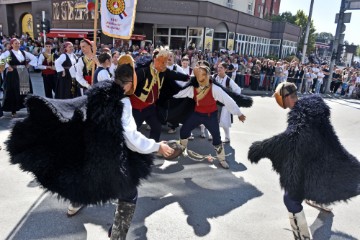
(309, 157)
(76, 148)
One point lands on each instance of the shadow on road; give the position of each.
(321, 228)
(204, 191)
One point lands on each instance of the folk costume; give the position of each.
(225, 118)
(46, 64)
(322, 171)
(84, 72)
(206, 94)
(17, 82)
(153, 81)
(66, 86)
(78, 149)
(102, 74)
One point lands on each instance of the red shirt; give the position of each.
(207, 104)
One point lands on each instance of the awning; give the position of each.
(67, 34)
(137, 37)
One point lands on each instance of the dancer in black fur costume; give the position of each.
(88, 149)
(309, 157)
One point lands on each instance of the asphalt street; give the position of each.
(185, 199)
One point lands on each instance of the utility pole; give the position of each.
(307, 32)
(339, 29)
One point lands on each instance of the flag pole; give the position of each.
(96, 17)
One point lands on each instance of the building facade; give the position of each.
(266, 8)
(178, 24)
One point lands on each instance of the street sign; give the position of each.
(346, 19)
(352, 5)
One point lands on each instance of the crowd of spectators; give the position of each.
(255, 73)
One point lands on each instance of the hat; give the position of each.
(127, 59)
(283, 90)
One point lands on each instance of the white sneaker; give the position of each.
(191, 137)
(210, 137)
(202, 135)
(73, 209)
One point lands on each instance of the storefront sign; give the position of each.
(71, 10)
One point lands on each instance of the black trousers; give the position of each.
(49, 84)
(149, 115)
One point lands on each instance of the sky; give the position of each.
(324, 12)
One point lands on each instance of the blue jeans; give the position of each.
(318, 86)
(276, 82)
(262, 77)
(210, 121)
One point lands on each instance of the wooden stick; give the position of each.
(96, 17)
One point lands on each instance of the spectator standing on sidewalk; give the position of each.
(277, 74)
(291, 74)
(270, 71)
(264, 66)
(319, 82)
(336, 81)
(299, 77)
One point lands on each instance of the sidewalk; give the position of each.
(262, 93)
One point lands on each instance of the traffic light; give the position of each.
(45, 26)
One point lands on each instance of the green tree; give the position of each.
(300, 19)
(284, 17)
(324, 37)
(358, 51)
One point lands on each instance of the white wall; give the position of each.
(239, 5)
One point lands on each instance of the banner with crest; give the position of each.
(118, 17)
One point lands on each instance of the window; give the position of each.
(220, 35)
(162, 31)
(178, 31)
(209, 32)
(195, 32)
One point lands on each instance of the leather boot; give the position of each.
(123, 216)
(184, 143)
(299, 226)
(220, 154)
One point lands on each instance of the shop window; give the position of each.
(221, 35)
(177, 42)
(196, 41)
(161, 40)
(195, 32)
(178, 31)
(162, 31)
(209, 32)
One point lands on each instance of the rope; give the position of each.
(199, 157)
